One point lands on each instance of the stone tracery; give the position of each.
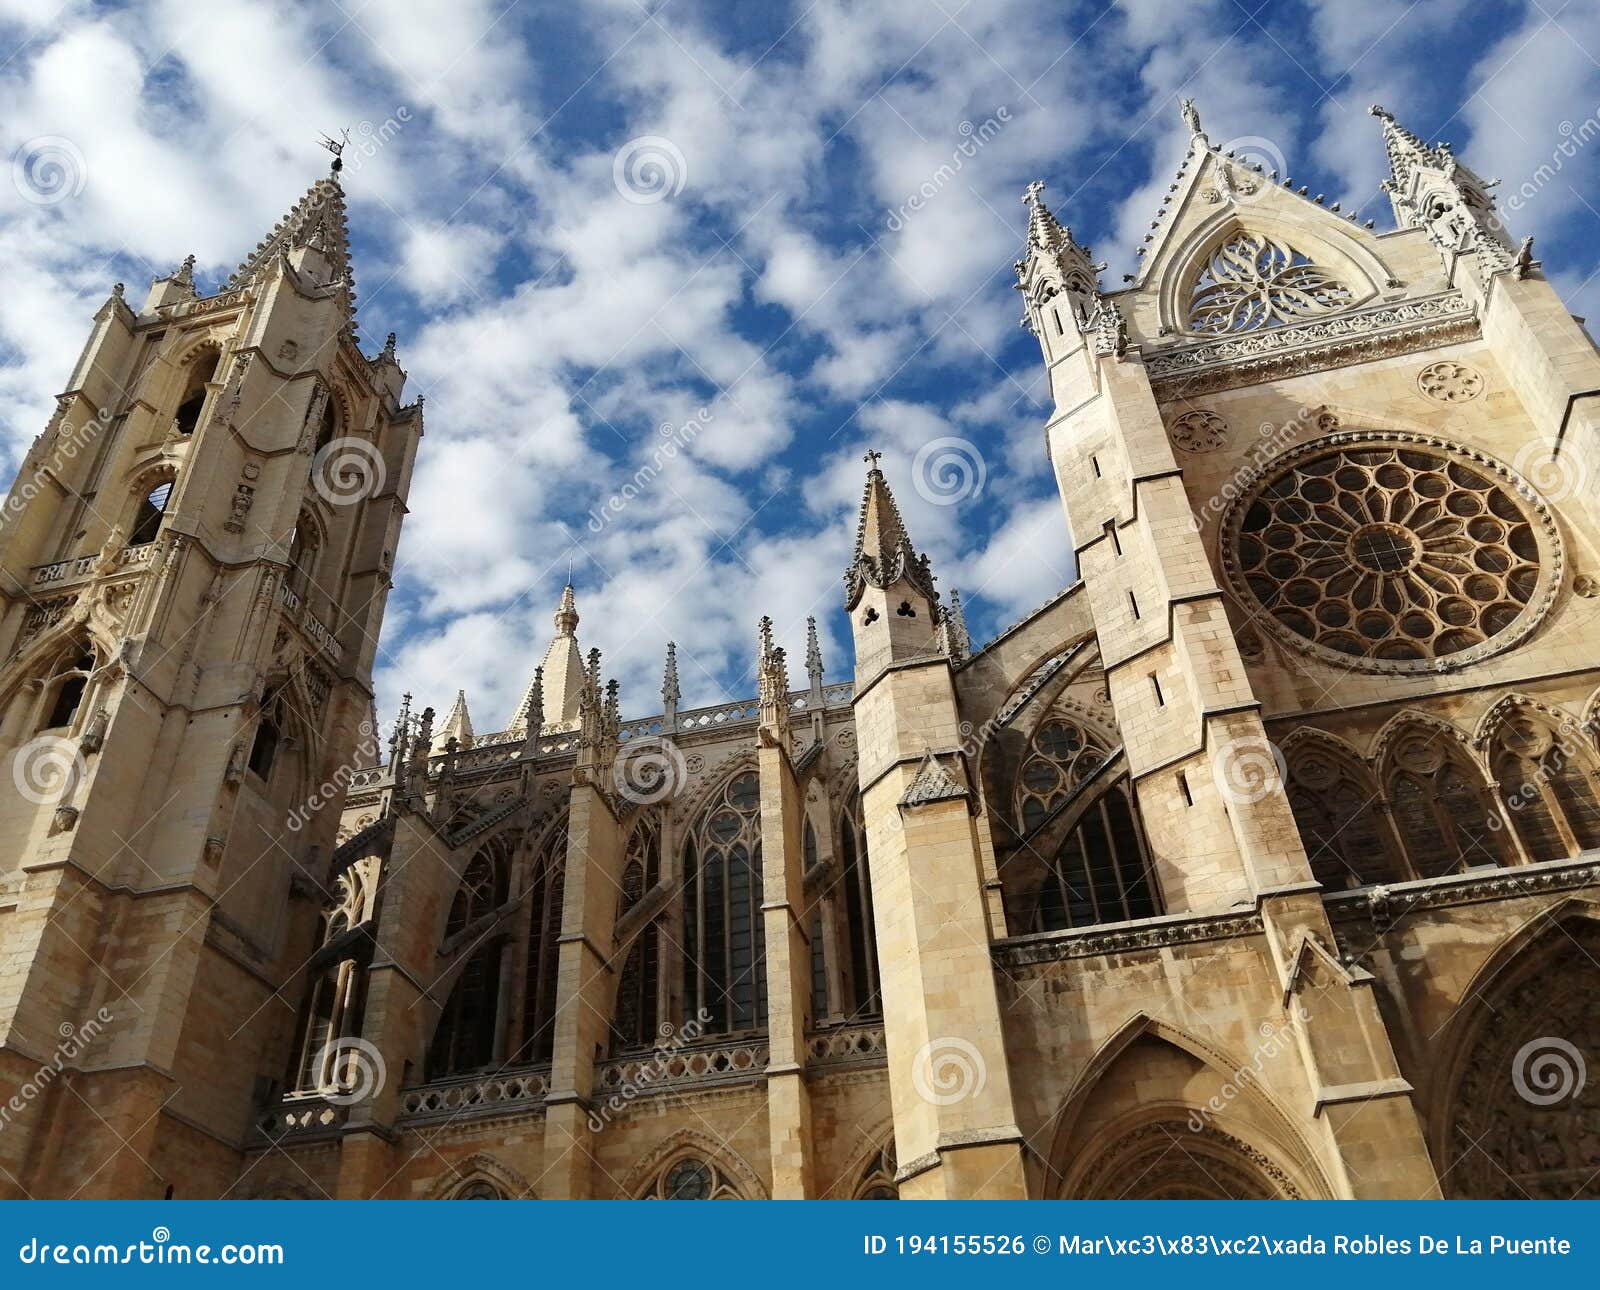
(1251, 281)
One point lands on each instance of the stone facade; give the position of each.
(1264, 861)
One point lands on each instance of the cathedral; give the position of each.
(1263, 861)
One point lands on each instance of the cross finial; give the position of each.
(1034, 193)
(872, 457)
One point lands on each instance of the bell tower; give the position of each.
(194, 562)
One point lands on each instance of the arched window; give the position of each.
(634, 1025)
(485, 885)
(65, 688)
(1061, 755)
(819, 955)
(193, 402)
(543, 962)
(464, 1039)
(1547, 781)
(152, 510)
(691, 1178)
(724, 952)
(336, 993)
(477, 1189)
(861, 942)
(1442, 809)
(1335, 805)
(1099, 872)
(876, 1181)
(269, 732)
(303, 550)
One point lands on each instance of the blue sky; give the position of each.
(588, 223)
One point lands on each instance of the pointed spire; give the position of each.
(567, 611)
(957, 640)
(184, 277)
(387, 354)
(562, 671)
(772, 675)
(402, 730)
(884, 553)
(1406, 151)
(814, 661)
(670, 693)
(1052, 261)
(318, 220)
(457, 726)
(532, 724)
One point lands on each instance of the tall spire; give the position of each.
(772, 677)
(957, 640)
(1052, 261)
(884, 553)
(562, 671)
(457, 726)
(318, 220)
(1406, 151)
(813, 660)
(670, 693)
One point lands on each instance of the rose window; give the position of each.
(1250, 282)
(1392, 553)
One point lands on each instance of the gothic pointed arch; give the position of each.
(724, 959)
(1444, 812)
(1339, 811)
(855, 928)
(544, 891)
(1544, 767)
(634, 1017)
(871, 1167)
(690, 1165)
(1202, 1129)
(1516, 1108)
(481, 1177)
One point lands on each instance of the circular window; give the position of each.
(1393, 552)
(688, 1180)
